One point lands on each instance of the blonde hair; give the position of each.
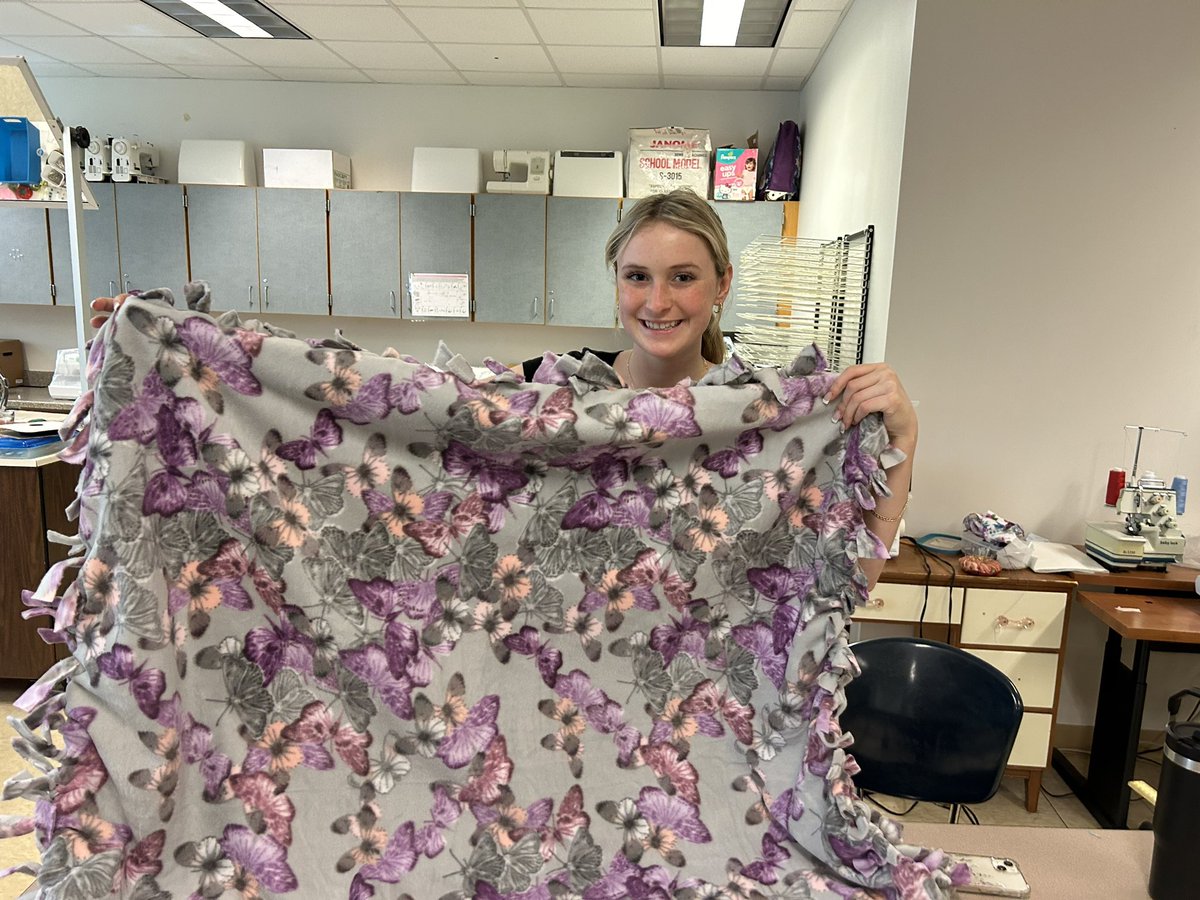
(688, 212)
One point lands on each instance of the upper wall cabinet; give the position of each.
(223, 244)
(99, 250)
(151, 236)
(293, 260)
(435, 237)
(24, 257)
(579, 289)
(510, 258)
(364, 253)
(743, 223)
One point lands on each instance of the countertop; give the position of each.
(36, 399)
(36, 456)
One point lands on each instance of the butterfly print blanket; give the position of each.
(350, 625)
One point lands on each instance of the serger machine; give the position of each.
(1149, 537)
(134, 161)
(523, 172)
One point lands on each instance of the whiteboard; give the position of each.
(439, 296)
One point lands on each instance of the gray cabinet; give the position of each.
(364, 253)
(223, 243)
(99, 249)
(24, 256)
(151, 236)
(293, 261)
(435, 237)
(510, 258)
(579, 289)
(743, 223)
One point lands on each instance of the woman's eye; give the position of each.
(636, 276)
(685, 276)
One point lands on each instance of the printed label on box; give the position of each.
(735, 174)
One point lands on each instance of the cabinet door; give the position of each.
(364, 252)
(293, 260)
(223, 239)
(743, 223)
(99, 249)
(435, 237)
(151, 236)
(24, 256)
(23, 654)
(579, 289)
(510, 258)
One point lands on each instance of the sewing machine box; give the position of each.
(735, 172)
(666, 158)
(12, 361)
(305, 169)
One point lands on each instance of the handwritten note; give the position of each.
(439, 296)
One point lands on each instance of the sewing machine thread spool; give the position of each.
(1179, 486)
(1116, 481)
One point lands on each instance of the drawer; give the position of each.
(1033, 742)
(1013, 618)
(903, 602)
(1033, 674)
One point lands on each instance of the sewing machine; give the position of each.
(97, 160)
(534, 165)
(134, 161)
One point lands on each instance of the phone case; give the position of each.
(994, 876)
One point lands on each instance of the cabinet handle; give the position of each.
(552, 306)
(874, 603)
(126, 278)
(112, 288)
(249, 296)
(266, 294)
(393, 293)
(1005, 622)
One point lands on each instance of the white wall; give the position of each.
(853, 110)
(1046, 285)
(378, 126)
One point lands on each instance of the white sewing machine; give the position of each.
(134, 161)
(533, 165)
(97, 160)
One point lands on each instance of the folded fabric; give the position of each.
(349, 623)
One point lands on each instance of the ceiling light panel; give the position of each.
(229, 19)
(760, 23)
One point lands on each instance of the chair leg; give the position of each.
(954, 808)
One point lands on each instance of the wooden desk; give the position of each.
(1058, 863)
(1152, 622)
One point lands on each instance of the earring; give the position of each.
(717, 310)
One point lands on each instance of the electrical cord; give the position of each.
(870, 795)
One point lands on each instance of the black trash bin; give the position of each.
(1177, 810)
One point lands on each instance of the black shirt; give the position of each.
(530, 366)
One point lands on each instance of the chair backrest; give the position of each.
(930, 721)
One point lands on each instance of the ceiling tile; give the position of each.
(351, 23)
(127, 19)
(596, 27)
(297, 73)
(808, 29)
(593, 4)
(785, 84)
(630, 60)
(57, 70)
(227, 73)
(496, 26)
(748, 61)
(21, 18)
(405, 4)
(281, 53)
(402, 76)
(493, 58)
(387, 55)
(515, 79)
(188, 50)
(82, 50)
(131, 70)
(711, 83)
(820, 4)
(7, 49)
(615, 80)
(282, 3)
(794, 63)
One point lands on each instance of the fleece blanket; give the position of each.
(352, 625)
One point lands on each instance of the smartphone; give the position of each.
(994, 876)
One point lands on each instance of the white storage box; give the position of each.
(447, 170)
(216, 162)
(305, 169)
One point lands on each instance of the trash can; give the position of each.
(1177, 809)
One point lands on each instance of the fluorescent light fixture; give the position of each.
(229, 18)
(720, 23)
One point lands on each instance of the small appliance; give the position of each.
(133, 160)
(589, 173)
(523, 171)
(97, 159)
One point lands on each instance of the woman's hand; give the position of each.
(107, 306)
(875, 387)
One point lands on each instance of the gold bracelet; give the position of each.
(895, 518)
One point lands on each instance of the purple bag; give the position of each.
(780, 179)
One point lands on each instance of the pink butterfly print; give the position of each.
(508, 822)
(324, 434)
(405, 396)
(578, 688)
(267, 807)
(759, 640)
(528, 642)
(473, 735)
(219, 352)
(567, 822)
(196, 744)
(398, 858)
(144, 858)
(557, 410)
(494, 476)
(146, 685)
(617, 598)
(675, 774)
(249, 341)
(369, 404)
(404, 506)
(491, 404)
(490, 773)
(435, 536)
(727, 462)
(317, 726)
(370, 473)
(260, 855)
(672, 813)
(665, 413)
(370, 664)
(86, 776)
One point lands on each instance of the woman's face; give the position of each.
(667, 284)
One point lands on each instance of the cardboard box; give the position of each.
(666, 158)
(735, 173)
(305, 169)
(12, 361)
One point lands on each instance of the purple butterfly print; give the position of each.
(196, 744)
(266, 805)
(595, 509)
(145, 858)
(324, 434)
(765, 869)
(667, 413)
(280, 645)
(779, 583)
(528, 642)
(146, 685)
(398, 857)
(577, 687)
(478, 730)
(220, 352)
(369, 403)
(727, 462)
(405, 396)
(139, 420)
(494, 476)
(384, 599)
(758, 639)
(673, 771)
(370, 663)
(493, 404)
(261, 856)
(682, 818)
(685, 634)
(402, 644)
(556, 411)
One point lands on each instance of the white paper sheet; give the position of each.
(439, 296)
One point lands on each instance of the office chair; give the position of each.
(930, 722)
